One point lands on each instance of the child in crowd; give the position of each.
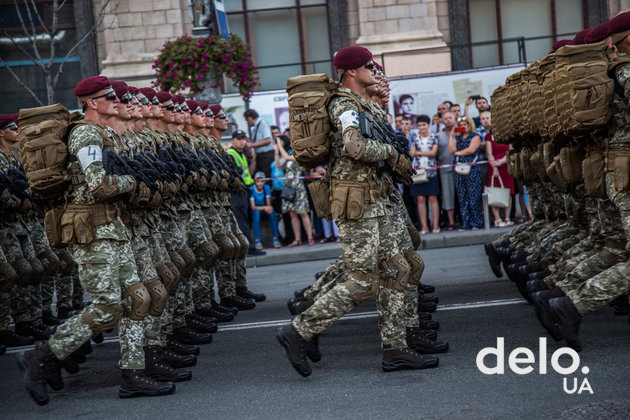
(260, 202)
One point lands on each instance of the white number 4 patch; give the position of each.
(88, 155)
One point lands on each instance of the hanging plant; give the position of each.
(184, 63)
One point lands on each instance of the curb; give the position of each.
(330, 251)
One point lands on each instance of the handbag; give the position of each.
(463, 168)
(288, 194)
(497, 196)
(420, 177)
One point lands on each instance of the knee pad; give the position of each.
(67, 262)
(158, 294)
(177, 260)
(7, 277)
(244, 246)
(140, 301)
(417, 267)
(167, 277)
(24, 270)
(226, 246)
(189, 259)
(176, 273)
(50, 261)
(359, 296)
(403, 271)
(99, 326)
(207, 253)
(415, 236)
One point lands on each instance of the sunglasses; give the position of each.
(209, 114)
(109, 96)
(198, 112)
(464, 119)
(221, 117)
(126, 98)
(143, 101)
(170, 107)
(369, 65)
(12, 127)
(155, 101)
(185, 108)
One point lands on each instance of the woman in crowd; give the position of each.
(464, 144)
(294, 204)
(498, 172)
(424, 148)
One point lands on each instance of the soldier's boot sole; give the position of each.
(167, 388)
(39, 394)
(407, 365)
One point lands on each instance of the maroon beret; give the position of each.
(164, 97)
(120, 88)
(352, 57)
(192, 104)
(133, 90)
(91, 85)
(215, 109)
(203, 105)
(148, 92)
(179, 99)
(597, 33)
(559, 44)
(579, 37)
(619, 25)
(6, 119)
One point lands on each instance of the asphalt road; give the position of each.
(244, 373)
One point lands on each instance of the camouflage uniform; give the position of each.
(105, 265)
(369, 244)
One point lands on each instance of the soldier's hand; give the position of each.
(5, 196)
(142, 195)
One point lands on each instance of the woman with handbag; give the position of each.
(424, 148)
(464, 144)
(498, 176)
(294, 199)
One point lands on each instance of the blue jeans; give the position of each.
(256, 223)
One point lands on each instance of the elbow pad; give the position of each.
(353, 143)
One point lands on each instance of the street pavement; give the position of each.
(244, 373)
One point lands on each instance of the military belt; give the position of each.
(101, 213)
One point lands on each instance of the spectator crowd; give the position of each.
(454, 155)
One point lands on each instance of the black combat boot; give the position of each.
(292, 302)
(539, 275)
(429, 324)
(300, 307)
(400, 359)
(40, 366)
(248, 294)
(238, 302)
(426, 288)
(224, 308)
(300, 292)
(200, 324)
(429, 334)
(29, 329)
(182, 348)
(312, 349)
(3, 349)
(63, 312)
(177, 360)
(10, 339)
(494, 259)
(98, 338)
(426, 306)
(420, 344)
(621, 305)
(49, 319)
(295, 347)
(187, 336)
(543, 311)
(534, 286)
(428, 299)
(424, 315)
(158, 369)
(135, 383)
(568, 320)
(214, 313)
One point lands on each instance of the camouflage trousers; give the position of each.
(25, 300)
(203, 280)
(174, 239)
(573, 257)
(106, 268)
(336, 272)
(5, 295)
(546, 244)
(536, 239)
(366, 243)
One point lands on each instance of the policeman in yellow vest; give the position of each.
(240, 200)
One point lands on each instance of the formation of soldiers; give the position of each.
(145, 229)
(570, 135)
(379, 240)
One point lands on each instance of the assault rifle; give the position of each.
(115, 164)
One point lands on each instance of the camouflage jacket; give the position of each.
(347, 168)
(86, 142)
(621, 138)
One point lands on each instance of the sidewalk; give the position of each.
(286, 255)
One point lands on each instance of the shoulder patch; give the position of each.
(349, 118)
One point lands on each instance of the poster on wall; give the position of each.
(410, 96)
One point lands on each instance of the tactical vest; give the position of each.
(241, 162)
